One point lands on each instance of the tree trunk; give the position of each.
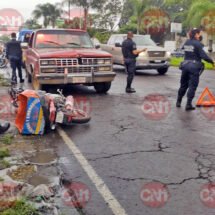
(69, 9)
(85, 18)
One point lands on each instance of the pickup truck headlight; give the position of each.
(108, 61)
(104, 61)
(101, 61)
(143, 54)
(168, 54)
(47, 62)
(104, 68)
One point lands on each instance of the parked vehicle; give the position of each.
(177, 53)
(154, 58)
(22, 37)
(66, 56)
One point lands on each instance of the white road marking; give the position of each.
(114, 205)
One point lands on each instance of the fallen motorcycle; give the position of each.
(62, 111)
(56, 109)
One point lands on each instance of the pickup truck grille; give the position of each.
(77, 69)
(156, 53)
(74, 65)
(67, 62)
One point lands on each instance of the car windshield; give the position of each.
(62, 39)
(142, 40)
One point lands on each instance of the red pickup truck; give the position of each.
(67, 56)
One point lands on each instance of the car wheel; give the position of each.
(162, 71)
(102, 87)
(36, 84)
(29, 77)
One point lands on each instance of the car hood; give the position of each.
(152, 48)
(71, 53)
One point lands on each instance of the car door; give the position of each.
(117, 51)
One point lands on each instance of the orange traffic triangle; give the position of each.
(206, 98)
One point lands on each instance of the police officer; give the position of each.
(191, 67)
(14, 55)
(130, 52)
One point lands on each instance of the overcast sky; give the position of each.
(25, 7)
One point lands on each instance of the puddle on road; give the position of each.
(43, 157)
(38, 179)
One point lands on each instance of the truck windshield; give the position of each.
(143, 40)
(62, 39)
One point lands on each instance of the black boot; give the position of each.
(4, 127)
(130, 90)
(189, 106)
(178, 103)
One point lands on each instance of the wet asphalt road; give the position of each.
(130, 146)
(133, 142)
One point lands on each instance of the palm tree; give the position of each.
(201, 13)
(85, 4)
(48, 12)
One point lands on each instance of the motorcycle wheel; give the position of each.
(80, 117)
(3, 63)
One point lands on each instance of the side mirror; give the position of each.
(24, 45)
(97, 46)
(118, 45)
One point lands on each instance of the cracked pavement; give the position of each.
(128, 150)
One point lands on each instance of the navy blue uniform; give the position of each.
(128, 46)
(14, 54)
(191, 68)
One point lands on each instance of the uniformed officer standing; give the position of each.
(191, 67)
(130, 52)
(14, 55)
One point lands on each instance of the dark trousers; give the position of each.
(130, 65)
(189, 81)
(16, 64)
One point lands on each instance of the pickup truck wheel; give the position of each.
(102, 87)
(36, 84)
(29, 77)
(162, 71)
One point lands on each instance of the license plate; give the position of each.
(79, 80)
(59, 117)
(157, 61)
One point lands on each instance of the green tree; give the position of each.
(86, 5)
(48, 12)
(108, 15)
(31, 24)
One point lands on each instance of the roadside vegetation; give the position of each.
(175, 61)
(105, 17)
(20, 207)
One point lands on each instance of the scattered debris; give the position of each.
(22, 173)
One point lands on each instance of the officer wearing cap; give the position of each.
(130, 52)
(191, 67)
